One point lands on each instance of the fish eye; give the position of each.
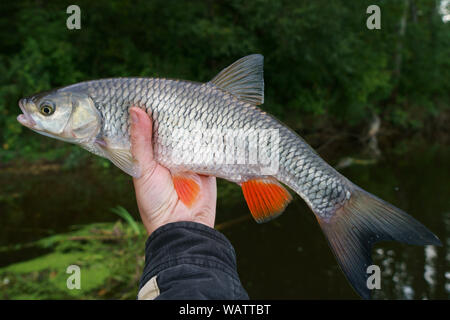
(47, 109)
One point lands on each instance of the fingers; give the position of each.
(141, 139)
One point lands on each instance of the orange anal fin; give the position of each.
(187, 186)
(266, 198)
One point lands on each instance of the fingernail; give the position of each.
(134, 117)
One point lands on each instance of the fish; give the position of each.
(217, 128)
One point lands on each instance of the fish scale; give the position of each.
(95, 115)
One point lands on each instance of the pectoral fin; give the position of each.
(120, 157)
(266, 198)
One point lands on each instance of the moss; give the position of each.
(52, 261)
(110, 257)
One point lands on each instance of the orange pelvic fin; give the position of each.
(266, 198)
(187, 186)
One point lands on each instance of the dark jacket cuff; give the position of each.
(191, 261)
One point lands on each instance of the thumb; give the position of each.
(141, 139)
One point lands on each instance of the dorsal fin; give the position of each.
(244, 79)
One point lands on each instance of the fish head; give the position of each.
(67, 116)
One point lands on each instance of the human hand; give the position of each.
(156, 197)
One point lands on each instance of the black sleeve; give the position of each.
(191, 261)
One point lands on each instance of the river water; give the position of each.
(287, 258)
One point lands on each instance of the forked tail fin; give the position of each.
(359, 224)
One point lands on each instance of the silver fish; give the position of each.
(197, 126)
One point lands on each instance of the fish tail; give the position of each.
(360, 223)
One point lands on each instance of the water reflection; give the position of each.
(430, 270)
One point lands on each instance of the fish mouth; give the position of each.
(25, 118)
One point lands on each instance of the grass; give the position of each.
(110, 257)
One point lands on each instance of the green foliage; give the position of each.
(320, 59)
(124, 214)
(109, 256)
